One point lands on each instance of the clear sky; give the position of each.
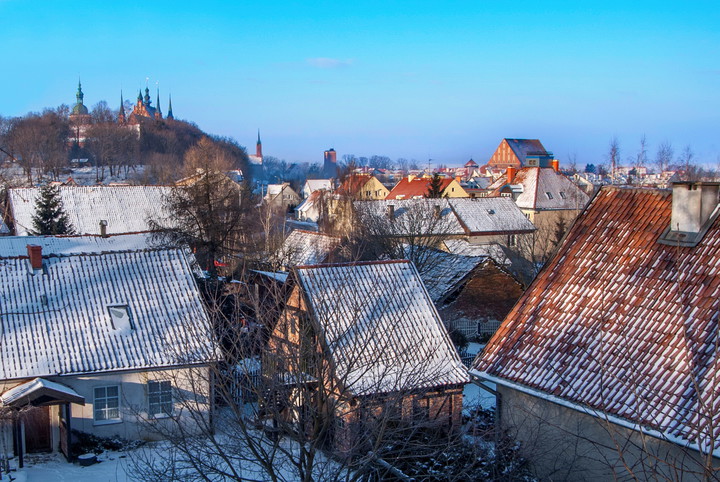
(425, 80)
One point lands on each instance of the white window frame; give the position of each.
(106, 410)
(162, 389)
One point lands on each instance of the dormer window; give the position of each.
(120, 317)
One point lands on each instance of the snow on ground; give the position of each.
(112, 466)
(473, 395)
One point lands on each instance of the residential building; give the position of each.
(606, 368)
(412, 187)
(312, 185)
(281, 197)
(514, 152)
(369, 339)
(107, 336)
(306, 247)
(362, 187)
(95, 209)
(549, 199)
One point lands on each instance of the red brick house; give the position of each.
(513, 152)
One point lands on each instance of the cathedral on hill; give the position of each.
(143, 109)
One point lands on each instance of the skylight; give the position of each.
(120, 317)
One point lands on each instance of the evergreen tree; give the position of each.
(50, 218)
(435, 187)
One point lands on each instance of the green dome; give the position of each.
(79, 109)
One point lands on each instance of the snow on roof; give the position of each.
(126, 209)
(463, 247)
(440, 271)
(380, 327)
(275, 189)
(410, 217)
(542, 188)
(13, 246)
(61, 321)
(38, 384)
(491, 215)
(621, 324)
(306, 247)
(313, 185)
(280, 276)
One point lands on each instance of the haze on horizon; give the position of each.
(423, 80)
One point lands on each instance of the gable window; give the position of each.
(106, 403)
(120, 317)
(549, 195)
(160, 398)
(562, 195)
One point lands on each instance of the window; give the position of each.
(120, 317)
(106, 404)
(549, 195)
(562, 195)
(160, 398)
(512, 240)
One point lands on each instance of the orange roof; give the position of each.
(353, 184)
(620, 323)
(417, 187)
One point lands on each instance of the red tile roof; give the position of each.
(417, 187)
(353, 184)
(620, 323)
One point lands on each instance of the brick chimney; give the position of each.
(692, 205)
(35, 254)
(555, 165)
(511, 171)
(391, 211)
(437, 211)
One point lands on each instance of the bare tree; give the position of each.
(664, 156)
(613, 157)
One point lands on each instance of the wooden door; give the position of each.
(38, 436)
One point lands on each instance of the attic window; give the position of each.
(120, 317)
(562, 195)
(491, 211)
(549, 195)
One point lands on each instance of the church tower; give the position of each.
(158, 113)
(79, 118)
(121, 113)
(258, 146)
(170, 114)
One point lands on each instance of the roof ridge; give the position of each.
(352, 263)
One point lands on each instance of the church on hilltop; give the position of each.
(143, 109)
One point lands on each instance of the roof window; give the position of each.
(549, 195)
(120, 317)
(562, 195)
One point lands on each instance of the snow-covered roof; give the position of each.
(99, 313)
(442, 272)
(486, 215)
(312, 185)
(621, 324)
(126, 209)
(13, 246)
(410, 217)
(275, 189)
(463, 247)
(380, 327)
(25, 392)
(542, 188)
(306, 247)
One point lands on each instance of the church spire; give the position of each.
(140, 99)
(79, 94)
(169, 114)
(158, 112)
(121, 113)
(258, 146)
(147, 97)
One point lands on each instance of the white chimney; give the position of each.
(692, 205)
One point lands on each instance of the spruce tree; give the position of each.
(435, 187)
(50, 218)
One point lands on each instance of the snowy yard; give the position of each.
(112, 466)
(473, 395)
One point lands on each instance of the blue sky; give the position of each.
(425, 80)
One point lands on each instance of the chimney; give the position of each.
(35, 255)
(511, 171)
(411, 177)
(103, 228)
(437, 211)
(692, 205)
(458, 178)
(555, 165)
(391, 211)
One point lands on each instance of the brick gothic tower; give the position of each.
(258, 146)
(330, 164)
